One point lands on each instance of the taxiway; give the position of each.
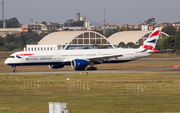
(148, 70)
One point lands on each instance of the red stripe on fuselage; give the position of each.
(24, 54)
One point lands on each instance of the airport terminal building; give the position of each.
(69, 40)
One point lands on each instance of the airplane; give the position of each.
(80, 59)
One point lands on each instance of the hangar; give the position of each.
(65, 40)
(68, 40)
(137, 37)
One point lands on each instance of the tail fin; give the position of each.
(151, 41)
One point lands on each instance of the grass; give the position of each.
(107, 93)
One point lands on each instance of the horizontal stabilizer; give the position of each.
(161, 51)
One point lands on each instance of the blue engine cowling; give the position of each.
(79, 64)
(56, 66)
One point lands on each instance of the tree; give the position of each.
(130, 45)
(102, 47)
(32, 38)
(86, 48)
(79, 23)
(151, 20)
(69, 22)
(177, 52)
(21, 41)
(109, 32)
(72, 23)
(10, 38)
(170, 30)
(1, 41)
(43, 22)
(11, 23)
(159, 44)
(122, 45)
(177, 41)
(168, 42)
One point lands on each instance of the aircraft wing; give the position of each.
(104, 57)
(98, 58)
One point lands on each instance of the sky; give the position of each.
(130, 12)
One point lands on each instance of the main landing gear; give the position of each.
(91, 68)
(14, 69)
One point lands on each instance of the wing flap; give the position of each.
(104, 57)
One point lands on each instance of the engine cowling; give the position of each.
(56, 66)
(79, 64)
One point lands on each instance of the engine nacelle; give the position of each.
(79, 64)
(56, 66)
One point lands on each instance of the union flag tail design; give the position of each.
(151, 41)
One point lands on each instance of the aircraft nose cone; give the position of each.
(6, 61)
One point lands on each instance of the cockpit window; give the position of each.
(11, 57)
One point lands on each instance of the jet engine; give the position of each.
(79, 64)
(56, 66)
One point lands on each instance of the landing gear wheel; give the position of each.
(14, 70)
(91, 68)
(80, 69)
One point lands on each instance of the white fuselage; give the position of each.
(53, 57)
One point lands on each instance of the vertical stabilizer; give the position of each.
(151, 41)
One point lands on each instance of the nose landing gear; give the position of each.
(14, 69)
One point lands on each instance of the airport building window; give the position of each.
(92, 41)
(74, 41)
(92, 35)
(103, 41)
(80, 41)
(86, 41)
(86, 35)
(80, 36)
(98, 36)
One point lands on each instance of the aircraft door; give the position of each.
(58, 56)
(136, 54)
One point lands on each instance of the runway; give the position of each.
(147, 70)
